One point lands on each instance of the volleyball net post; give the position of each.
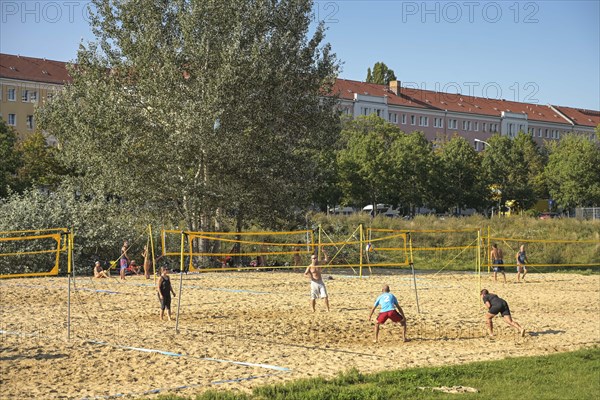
(152, 253)
(412, 267)
(70, 267)
(360, 247)
(181, 264)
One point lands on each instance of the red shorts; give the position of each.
(393, 315)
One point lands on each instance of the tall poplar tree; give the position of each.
(381, 74)
(200, 105)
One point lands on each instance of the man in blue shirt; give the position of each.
(390, 309)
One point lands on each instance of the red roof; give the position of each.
(33, 69)
(581, 116)
(427, 99)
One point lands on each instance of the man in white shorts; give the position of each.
(317, 286)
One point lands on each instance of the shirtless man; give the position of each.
(497, 262)
(317, 286)
(147, 264)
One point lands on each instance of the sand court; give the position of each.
(243, 329)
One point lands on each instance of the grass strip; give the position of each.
(573, 375)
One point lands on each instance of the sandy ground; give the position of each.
(244, 329)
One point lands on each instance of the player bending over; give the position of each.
(497, 305)
(390, 309)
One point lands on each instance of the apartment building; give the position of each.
(440, 115)
(27, 83)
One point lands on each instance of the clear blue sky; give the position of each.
(533, 51)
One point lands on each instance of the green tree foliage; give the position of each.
(9, 159)
(381, 74)
(457, 176)
(514, 169)
(99, 224)
(205, 105)
(365, 167)
(412, 162)
(527, 174)
(38, 163)
(573, 171)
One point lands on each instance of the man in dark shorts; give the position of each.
(497, 305)
(497, 262)
(521, 260)
(164, 290)
(390, 309)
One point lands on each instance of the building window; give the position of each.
(558, 135)
(546, 133)
(539, 132)
(24, 95)
(29, 122)
(476, 124)
(483, 127)
(12, 96)
(378, 112)
(404, 119)
(468, 125)
(12, 119)
(423, 121)
(412, 119)
(33, 96)
(365, 111)
(438, 122)
(452, 123)
(393, 117)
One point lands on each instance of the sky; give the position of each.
(542, 52)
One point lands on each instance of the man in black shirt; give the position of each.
(497, 305)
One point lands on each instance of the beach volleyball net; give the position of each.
(547, 255)
(226, 251)
(32, 252)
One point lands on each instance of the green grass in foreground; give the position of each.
(574, 375)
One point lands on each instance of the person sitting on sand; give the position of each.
(99, 272)
(497, 305)
(133, 267)
(390, 309)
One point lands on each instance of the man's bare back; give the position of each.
(497, 254)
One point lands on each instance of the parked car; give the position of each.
(341, 210)
(380, 208)
(549, 215)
